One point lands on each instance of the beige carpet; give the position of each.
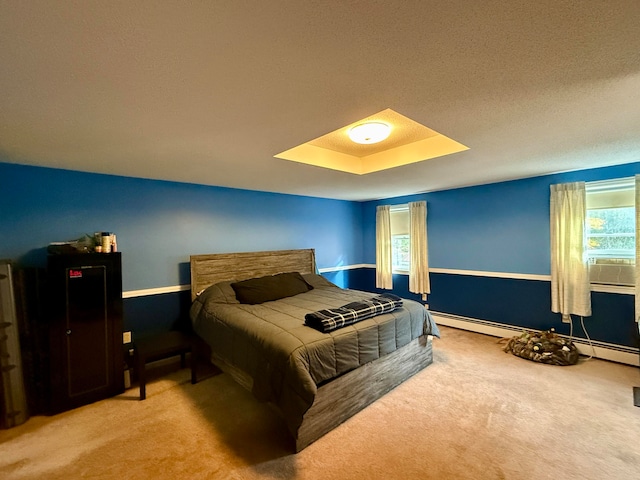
(476, 413)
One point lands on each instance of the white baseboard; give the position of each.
(604, 351)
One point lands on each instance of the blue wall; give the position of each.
(159, 224)
(501, 227)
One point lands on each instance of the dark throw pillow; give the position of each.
(271, 287)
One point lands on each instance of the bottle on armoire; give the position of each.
(85, 328)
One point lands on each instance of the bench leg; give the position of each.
(194, 364)
(142, 378)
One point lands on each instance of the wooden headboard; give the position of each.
(207, 270)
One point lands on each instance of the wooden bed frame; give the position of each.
(339, 399)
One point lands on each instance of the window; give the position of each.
(610, 231)
(400, 240)
(400, 246)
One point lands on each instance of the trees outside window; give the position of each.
(611, 232)
(400, 245)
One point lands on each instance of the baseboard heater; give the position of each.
(603, 350)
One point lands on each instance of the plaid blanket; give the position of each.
(333, 318)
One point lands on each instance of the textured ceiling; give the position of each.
(209, 92)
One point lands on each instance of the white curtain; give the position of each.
(419, 268)
(637, 269)
(384, 272)
(570, 288)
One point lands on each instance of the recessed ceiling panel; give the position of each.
(409, 142)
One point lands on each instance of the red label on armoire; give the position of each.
(75, 273)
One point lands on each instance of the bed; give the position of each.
(315, 380)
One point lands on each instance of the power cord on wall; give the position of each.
(584, 329)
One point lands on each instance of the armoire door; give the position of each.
(88, 332)
(85, 329)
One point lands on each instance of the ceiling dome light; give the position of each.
(370, 132)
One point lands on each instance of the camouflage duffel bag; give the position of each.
(543, 347)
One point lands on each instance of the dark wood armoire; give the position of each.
(84, 317)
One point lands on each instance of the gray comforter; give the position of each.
(288, 360)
